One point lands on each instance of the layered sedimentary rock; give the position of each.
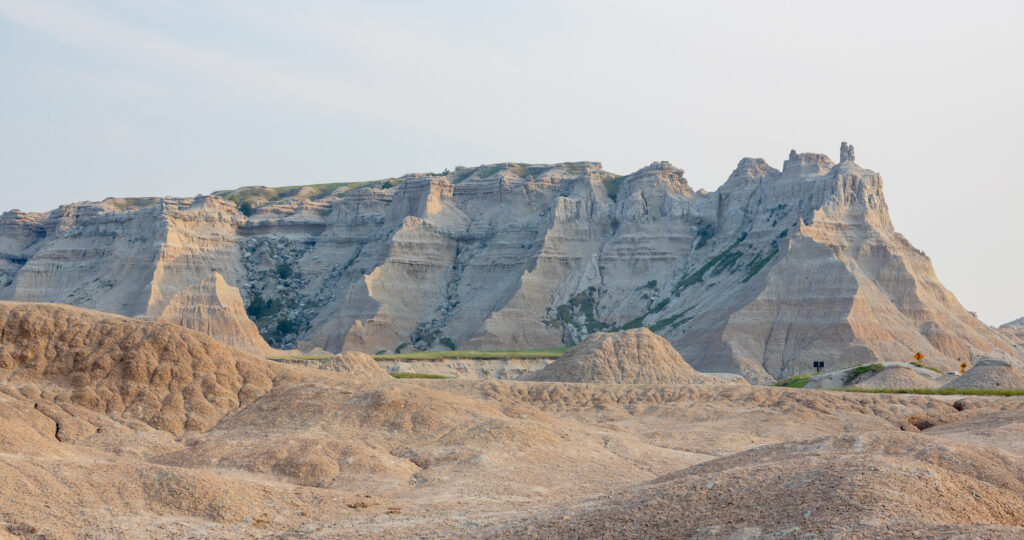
(215, 308)
(771, 272)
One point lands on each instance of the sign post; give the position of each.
(818, 365)
(918, 357)
(963, 367)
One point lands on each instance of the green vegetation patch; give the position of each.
(249, 198)
(491, 170)
(720, 262)
(759, 262)
(860, 370)
(584, 304)
(134, 202)
(481, 355)
(419, 376)
(635, 323)
(705, 233)
(936, 391)
(796, 381)
(675, 321)
(920, 365)
(612, 184)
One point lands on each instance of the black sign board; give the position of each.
(818, 365)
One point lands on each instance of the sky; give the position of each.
(176, 97)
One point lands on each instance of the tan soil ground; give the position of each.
(350, 362)
(116, 428)
(632, 356)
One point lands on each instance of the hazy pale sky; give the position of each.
(172, 97)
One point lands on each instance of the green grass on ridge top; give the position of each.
(796, 381)
(936, 391)
(554, 352)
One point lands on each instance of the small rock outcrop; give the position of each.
(355, 363)
(992, 374)
(627, 357)
(215, 308)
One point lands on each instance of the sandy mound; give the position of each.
(117, 428)
(628, 357)
(169, 377)
(991, 373)
(896, 377)
(355, 363)
(879, 484)
(216, 309)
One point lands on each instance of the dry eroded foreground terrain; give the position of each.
(111, 427)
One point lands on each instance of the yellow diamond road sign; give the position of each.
(918, 357)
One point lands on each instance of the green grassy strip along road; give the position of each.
(796, 381)
(419, 376)
(936, 391)
(438, 355)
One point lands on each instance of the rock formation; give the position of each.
(630, 356)
(993, 374)
(845, 152)
(169, 377)
(774, 270)
(1014, 332)
(215, 308)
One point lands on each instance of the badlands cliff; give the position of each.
(772, 271)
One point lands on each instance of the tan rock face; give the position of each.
(771, 272)
(627, 357)
(215, 308)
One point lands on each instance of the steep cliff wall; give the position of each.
(774, 270)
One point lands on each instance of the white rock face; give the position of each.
(774, 270)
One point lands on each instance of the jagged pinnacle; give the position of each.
(845, 152)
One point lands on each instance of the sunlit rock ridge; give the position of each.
(767, 274)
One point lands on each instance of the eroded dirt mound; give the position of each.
(629, 357)
(991, 373)
(355, 363)
(896, 377)
(877, 484)
(216, 309)
(168, 377)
